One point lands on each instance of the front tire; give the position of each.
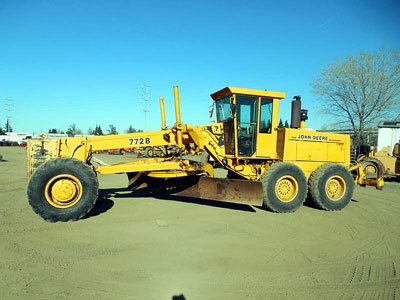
(284, 186)
(63, 189)
(331, 187)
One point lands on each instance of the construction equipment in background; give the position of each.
(388, 154)
(387, 158)
(277, 167)
(121, 151)
(161, 151)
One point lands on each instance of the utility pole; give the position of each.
(9, 103)
(146, 97)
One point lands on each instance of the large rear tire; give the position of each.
(63, 189)
(285, 187)
(331, 187)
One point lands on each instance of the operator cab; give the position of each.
(248, 118)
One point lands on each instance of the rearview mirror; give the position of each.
(211, 111)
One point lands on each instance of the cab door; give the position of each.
(247, 112)
(267, 134)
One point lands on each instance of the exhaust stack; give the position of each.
(299, 116)
(296, 108)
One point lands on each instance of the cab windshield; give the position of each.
(223, 108)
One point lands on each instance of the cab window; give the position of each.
(223, 108)
(266, 115)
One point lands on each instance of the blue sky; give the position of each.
(84, 62)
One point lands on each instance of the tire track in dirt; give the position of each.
(378, 280)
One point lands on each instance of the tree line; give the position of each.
(73, 130)
(283, 125)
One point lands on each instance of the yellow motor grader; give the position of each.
(267, 166)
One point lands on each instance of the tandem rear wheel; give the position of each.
(63, 189)
(331, 187)
(284, 187)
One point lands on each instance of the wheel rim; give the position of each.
(63, 191)
(335, 188)
(286, 188)
(150, 153)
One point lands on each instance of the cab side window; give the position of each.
(266, 115)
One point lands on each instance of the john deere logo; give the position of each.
(312, 137)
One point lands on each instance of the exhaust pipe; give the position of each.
(299, 116)
(296, 109)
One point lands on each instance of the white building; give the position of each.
(18, 137)
(388, 133)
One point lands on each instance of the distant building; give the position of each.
(53, 135)
(21, 137)
(18, 137)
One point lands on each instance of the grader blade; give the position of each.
(136, 180)
(219, 189)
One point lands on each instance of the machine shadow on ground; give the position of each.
(104, 202)
(309, 203)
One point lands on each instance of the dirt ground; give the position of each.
(149, 248)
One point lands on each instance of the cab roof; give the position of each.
(248, 92)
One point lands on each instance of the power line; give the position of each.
(9, 104)
(146, 97)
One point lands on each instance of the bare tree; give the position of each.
(360, 90)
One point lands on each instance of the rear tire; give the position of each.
(284, 186)
(63, 189)
(331, 187)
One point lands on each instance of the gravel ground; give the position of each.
(152, 248)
